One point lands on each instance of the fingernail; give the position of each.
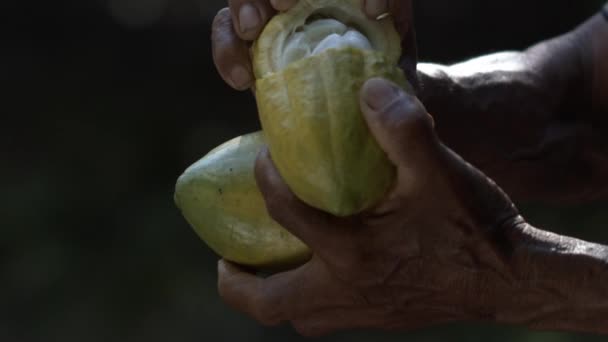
(249, 18)
(379, 93)
(376, 8)
(240, 77)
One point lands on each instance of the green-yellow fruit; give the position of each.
(219, 197)
(310, 63)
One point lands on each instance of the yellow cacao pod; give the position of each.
(219, 197)
(310, 63)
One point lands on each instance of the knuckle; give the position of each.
(220, 22)
(223, 41)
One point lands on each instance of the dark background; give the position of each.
(106, 102)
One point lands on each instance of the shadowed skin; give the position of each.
(448, 244)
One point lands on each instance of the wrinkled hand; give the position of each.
(430, 253)
(234, 28)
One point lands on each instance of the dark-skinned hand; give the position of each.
(533, 110)
(540, 113)
(447, 244)
(235, 27)
(430, 253)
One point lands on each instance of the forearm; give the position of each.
(535, 120)
(560, 283)
(600, 54)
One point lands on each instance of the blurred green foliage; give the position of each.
(104, 108)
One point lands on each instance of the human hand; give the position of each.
(435, 250)
(235, 27)
(537, 112)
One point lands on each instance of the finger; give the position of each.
(230, 53)
(409, 59)
(403, 129)
(402, 13)
(376, 8)
(400, 10)
(281, 297)
(404, 22)
(239, 289)
(282, 5)
(322, 232)
(398, 121)
(250, 16)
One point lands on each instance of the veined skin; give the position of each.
(219, 197)
(310, 110)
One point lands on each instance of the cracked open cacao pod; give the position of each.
(310, 63)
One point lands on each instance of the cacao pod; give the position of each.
(219, 197)
(310, 63)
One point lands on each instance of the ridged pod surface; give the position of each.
(310, 112)
(219, 197)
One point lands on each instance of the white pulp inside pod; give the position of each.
(318, 36)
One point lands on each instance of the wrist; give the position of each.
(558, 283)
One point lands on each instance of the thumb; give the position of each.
(399, 122)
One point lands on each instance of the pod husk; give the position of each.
(219, 197)
(310, 109)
